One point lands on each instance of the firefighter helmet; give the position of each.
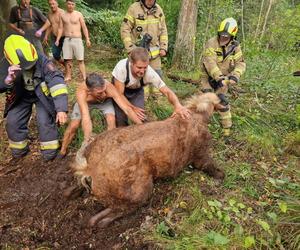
(228, 27)
(17, 50)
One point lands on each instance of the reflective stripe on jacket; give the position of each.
(139, 21)
(218, 62)
(49, 84)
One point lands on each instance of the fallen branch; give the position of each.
(183, 79)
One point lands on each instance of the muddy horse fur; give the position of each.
(122, 164)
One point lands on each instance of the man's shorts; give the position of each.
(106, 107)
(73, 47)
(56, 50)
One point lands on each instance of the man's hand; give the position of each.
(139, 112)
(61, 118)
(38, 33)
(88, 43)
(21, 32)
(56, 43)
(183, 112)
(11, 76)
(162, 53)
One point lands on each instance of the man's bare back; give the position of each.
(72, 24)
(84, 94)
(54, 18)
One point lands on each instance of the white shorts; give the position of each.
(73, 47)
(106, 107)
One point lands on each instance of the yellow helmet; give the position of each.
(228, 27)
(17, 50)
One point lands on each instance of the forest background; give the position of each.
(258, 205)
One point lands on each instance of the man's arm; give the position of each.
(120, 87)
(47, 34)
(163, 37)
(179, 109)
(12, 20)
(210, 60)
(126, 28)
(86, 121)
(123, 103)
(85, 30)
(58, 89)
(15, 28)
(60, 31)
(8, 75)
(46, 25)
(240, 66)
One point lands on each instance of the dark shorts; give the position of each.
(57, 50)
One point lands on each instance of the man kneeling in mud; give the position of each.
(97, 93)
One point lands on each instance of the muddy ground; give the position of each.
(35, 212)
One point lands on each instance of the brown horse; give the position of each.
(123, 163)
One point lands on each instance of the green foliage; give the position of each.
(215, 239)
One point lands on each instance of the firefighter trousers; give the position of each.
(17, 128)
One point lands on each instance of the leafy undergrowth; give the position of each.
(257, 206)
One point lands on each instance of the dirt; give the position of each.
(35, 213)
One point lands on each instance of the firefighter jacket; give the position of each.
(220, 62)
(138, 21)
(49, 86)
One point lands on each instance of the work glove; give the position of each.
(219, 83)
(223, 99)
(233, 78)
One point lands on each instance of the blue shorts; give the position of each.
(56, 50)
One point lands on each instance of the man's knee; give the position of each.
(111, 121)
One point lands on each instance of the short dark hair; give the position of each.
(139, 54)
(73, 1)
(94, 80)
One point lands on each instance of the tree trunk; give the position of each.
(243, 27)
(5, 6)
(266, 19)
(259, 20)
(209, 18)
(184, 51)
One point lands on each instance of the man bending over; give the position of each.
(97, 93)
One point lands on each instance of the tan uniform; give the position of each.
(221, 63)
(139, 21)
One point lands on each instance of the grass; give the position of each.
(250, 209)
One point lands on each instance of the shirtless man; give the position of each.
(97, 93)
(71, 24)
(54, 16)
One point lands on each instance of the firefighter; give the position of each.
(222, 65)
(144, 26)
(29, 78)
(30, 22)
